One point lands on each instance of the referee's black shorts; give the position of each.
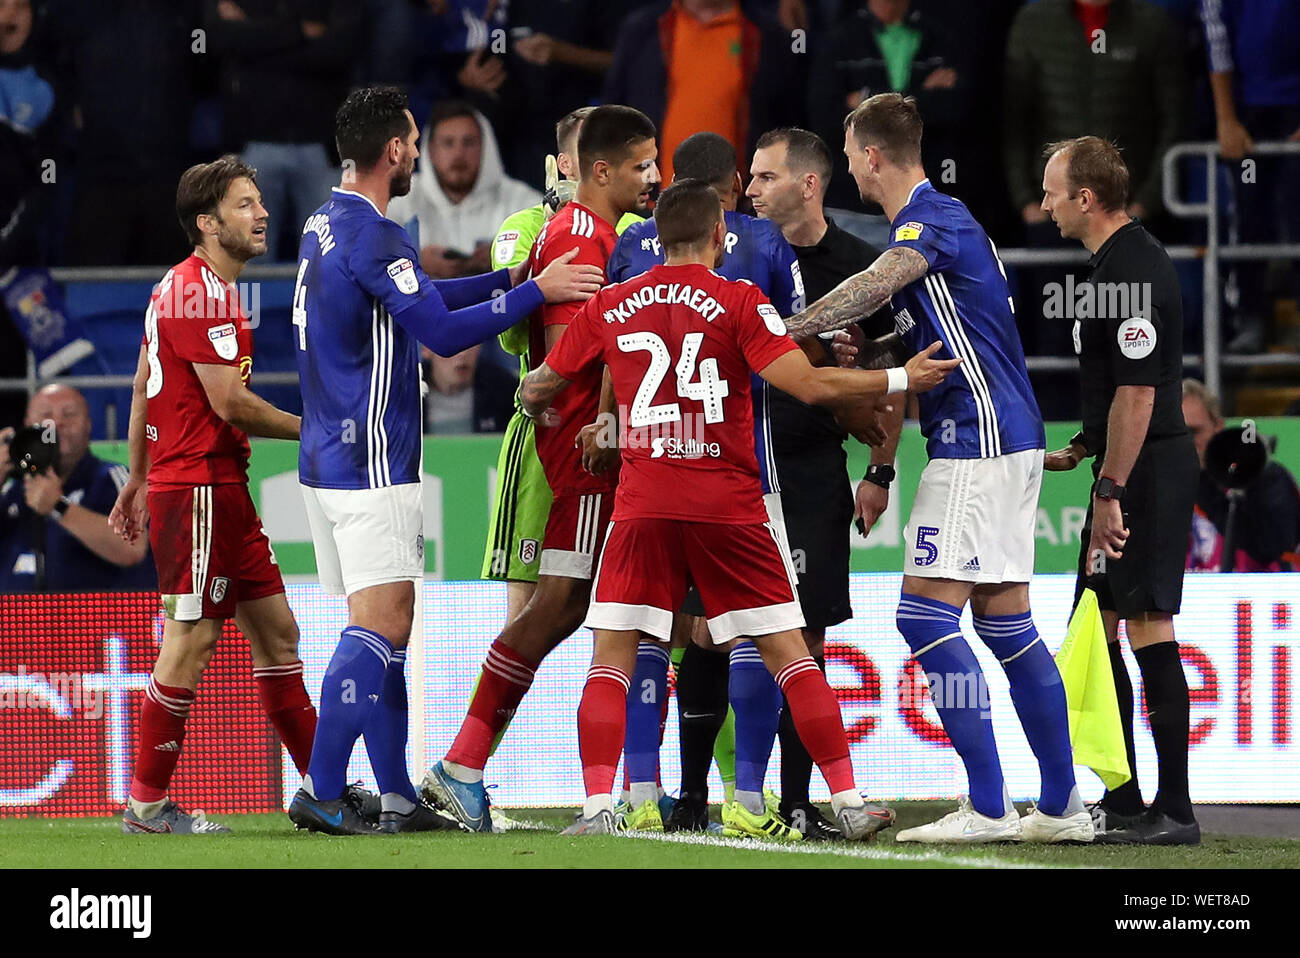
(1158, 502)
(817, 502)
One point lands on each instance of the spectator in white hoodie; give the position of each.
(461, 195)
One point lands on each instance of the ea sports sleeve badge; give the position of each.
(1136, 338)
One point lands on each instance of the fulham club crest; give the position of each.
(219, 586)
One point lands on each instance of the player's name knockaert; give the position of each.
(672, 294)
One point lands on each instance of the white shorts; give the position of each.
(366, 537)
(974, 519)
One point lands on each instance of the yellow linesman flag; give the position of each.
(1095, 730)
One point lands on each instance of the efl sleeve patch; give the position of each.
(1136, 338)
(908, 231)
(402, 273)
(225, 341)
(772, 319)
(505, 245)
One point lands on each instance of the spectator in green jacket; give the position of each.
(1111, 68)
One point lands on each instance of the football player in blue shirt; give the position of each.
(362, 307)
(970, 536)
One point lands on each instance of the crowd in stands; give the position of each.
(102, 105)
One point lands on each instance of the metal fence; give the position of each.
(1211, 360)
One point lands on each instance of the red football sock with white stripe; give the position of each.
(816, 715)
(287, 705)
(602, 723)
(162, 732)
(506, 678)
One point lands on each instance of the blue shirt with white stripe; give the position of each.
(358, 369)
(986, 407)
(754, 251)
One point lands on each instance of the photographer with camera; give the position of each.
(1243, 495)
(55, 497)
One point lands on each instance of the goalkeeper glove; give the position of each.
(558, 191)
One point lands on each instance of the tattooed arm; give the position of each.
(861, 294)
(538, 389)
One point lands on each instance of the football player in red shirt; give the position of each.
(616, 154)
(679, 342)
(191, 415)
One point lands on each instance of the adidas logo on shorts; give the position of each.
(973, 565)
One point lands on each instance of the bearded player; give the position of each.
(618, 175)
(680, 342)
(191, 416)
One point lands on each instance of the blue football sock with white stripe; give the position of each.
(385, 734)
(1039, 696)
(645, 700)
(756, 700)
(351, 688)
(933, 633)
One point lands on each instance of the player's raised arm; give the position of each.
(861, 294)
(241, 407)
(827, 385)
(386, 266)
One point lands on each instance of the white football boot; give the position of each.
(965, 827)
(1038, 826)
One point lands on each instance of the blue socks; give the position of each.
(385, 735)
(645, 699)
(933, 633)
(1039, 697)
(351, 688)
(756, 700)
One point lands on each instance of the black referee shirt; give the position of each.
(796, 425)
(1128, 331)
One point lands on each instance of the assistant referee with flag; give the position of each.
(1128, 333)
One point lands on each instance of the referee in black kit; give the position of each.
(791, 170)
(1128, 332)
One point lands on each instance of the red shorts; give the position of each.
(742, 572)
(210, 551)
(575, 530)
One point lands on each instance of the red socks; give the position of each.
(287, 705)
(816, 715)
(506, 678)
(162, 732)
(602, 723)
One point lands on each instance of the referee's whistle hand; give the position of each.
(924, 373)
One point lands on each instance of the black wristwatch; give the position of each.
(880, 475)
(60, 508)
(1108, 489)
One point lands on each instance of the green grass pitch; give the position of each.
(269, 841)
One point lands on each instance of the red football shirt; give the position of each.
(594, 238)
(194, 316)
(680, 343)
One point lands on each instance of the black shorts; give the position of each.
(817, 501)
(1158, 502)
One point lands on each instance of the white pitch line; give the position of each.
(819, 848)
